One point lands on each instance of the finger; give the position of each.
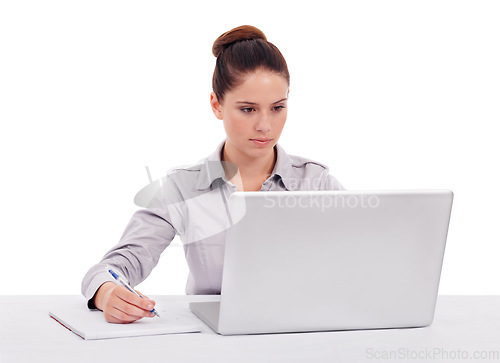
(130, 309)
(119, 311)
(117, 316)
(133, 312)
(140, 293)
(133, 299)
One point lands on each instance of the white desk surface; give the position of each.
(464, 328)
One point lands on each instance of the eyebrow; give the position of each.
(253, 103)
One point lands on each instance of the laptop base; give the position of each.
(208, 312)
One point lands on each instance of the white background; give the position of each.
(389, 94)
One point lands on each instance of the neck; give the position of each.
(250, 167)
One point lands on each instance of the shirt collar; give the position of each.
(212, 168)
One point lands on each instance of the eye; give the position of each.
(247, 109)
(278, 108)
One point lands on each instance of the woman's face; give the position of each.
(254, 113)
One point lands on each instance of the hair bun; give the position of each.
(243, 32)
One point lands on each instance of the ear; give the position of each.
(216, 107)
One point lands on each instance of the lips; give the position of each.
(261, 142)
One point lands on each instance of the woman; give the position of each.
(250, 92)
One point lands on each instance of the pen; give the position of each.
(120, 280)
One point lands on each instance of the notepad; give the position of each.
(90, 324)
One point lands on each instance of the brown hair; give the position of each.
(240, 51)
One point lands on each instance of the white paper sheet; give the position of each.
(90, 324)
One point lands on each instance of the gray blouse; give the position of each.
(191, 202)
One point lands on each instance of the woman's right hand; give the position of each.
(120, 305)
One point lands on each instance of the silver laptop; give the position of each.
(330, 260)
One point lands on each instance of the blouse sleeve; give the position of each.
(146, 236)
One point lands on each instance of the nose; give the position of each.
(263, 123)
